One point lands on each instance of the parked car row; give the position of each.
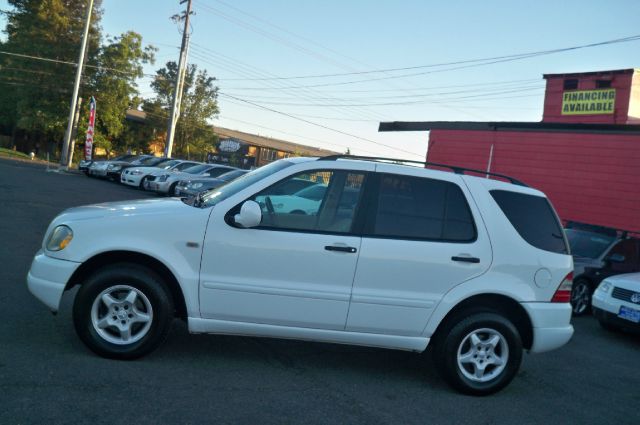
(166, 176)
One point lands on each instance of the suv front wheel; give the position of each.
(123, 311)
(480, 354)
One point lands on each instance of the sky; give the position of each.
(326, 73)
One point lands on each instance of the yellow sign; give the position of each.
(588, 102)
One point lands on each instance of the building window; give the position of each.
(268, 154)
(571, 84)
(603, 84)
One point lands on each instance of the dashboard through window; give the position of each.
(322, 200)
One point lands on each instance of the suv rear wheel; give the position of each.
(480, 354)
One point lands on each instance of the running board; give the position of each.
(224, 327)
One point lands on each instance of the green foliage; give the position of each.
(114, 88)
(13, 154)
(194, 136)
(35, 95)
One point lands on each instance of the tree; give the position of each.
(199, 104)
(114, 87)
(35, 93)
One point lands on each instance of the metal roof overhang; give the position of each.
(554, 127)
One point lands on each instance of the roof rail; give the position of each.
(456, 169)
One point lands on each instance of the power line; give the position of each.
(245, 69)
(490, 60)
(318, 125)
(20, 55)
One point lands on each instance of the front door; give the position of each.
(297, 267)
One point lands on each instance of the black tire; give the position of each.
(148, 318)
(144, 179)
(455, 343)
(172, 189)
(581, 292)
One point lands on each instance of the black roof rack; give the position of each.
(454, 168)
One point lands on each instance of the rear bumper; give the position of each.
(551, 325)
(48, 277)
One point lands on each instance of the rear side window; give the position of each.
(420, 208)
(533, 218)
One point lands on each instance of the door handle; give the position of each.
(474, 260)
(348, 249)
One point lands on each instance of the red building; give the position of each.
(585, 154)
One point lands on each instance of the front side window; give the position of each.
(326, 202)
(421, 208)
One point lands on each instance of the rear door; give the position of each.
(422, 237)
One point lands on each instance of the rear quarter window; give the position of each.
(533, 218)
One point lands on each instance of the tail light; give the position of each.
(563, 293)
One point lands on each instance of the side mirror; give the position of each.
(616, 258)
(250, 215)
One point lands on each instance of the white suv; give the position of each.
(393, 256)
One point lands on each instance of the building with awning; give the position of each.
(584, 154)
(244, 150)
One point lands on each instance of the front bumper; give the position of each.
(613, 319)
(48, 277)
(551, 325)
(606, 308)
(131, 179)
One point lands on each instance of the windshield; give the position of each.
(588, 244)
(151, 161)
(232, 175)
(197, 169)
(167, 163)
(223, 192)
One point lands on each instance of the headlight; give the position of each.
(195, 185)
(135, 172)
(163, 178)
(59, 238)
(604, 287)
(116, 167)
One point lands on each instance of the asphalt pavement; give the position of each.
(48, 376)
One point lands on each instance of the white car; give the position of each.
(165, 182)
(304, 201)
(394, 256)
(616, 302)
(136, 176)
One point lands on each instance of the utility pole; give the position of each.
(182, 67)
(64, 159)
(74, 132)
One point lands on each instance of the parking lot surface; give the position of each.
(48, 376)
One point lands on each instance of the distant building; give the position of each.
(584, 154)
(244, 150)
